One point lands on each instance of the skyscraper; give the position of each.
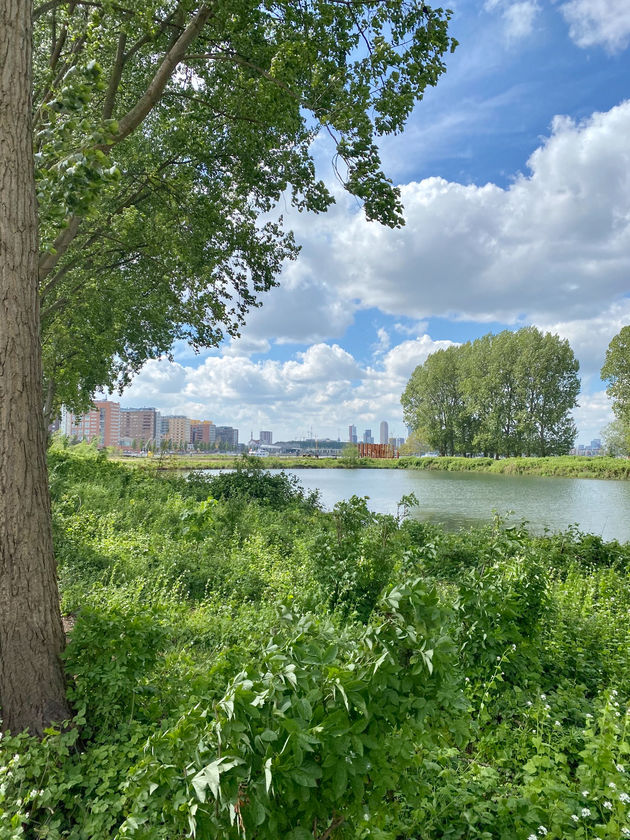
(352, 434)
(384, 432)
(266, 437)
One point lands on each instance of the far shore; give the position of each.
(567, 466)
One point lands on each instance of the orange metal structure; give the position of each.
(376, 450)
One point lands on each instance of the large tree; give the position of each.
(505, 394)
(162, 132)
(616, 373)
(433, 401)
(161, 238)
(31, 636)
(547, 373)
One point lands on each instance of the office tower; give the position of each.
(227, 436)
(384, 432)
(266, 437)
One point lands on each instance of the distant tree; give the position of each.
(616, 438)
(616, 373)
(492, 394)
(350, 451)
(547, 375)
(433, 401)
(505, 394)
(414, 445)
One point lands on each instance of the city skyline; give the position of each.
(117, 425)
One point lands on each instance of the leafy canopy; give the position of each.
(163, 132)
(616, 372)
(505, 394)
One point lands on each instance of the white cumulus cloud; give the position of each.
(323, 387)
(603, 23)
(556, 243)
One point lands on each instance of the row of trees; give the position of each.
(616, 373)
(507, 394)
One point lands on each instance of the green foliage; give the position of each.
(507, 394)
(152, 172)
(251, 482)
(616, 372)
(355, 556)
(616, 438)
(570, 466)
(239, 668)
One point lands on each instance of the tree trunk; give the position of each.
(32, 689)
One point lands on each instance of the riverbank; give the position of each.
(564, 466)
(234, 649)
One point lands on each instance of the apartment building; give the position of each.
(141, 425)
(202, 431)
(177, 430)
(101, 423)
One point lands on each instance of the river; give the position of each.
(459, 500)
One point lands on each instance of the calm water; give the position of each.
(459, 500)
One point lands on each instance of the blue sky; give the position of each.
(515, 174)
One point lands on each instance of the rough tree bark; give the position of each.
(32, 689)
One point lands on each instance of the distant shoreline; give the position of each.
(564, 466)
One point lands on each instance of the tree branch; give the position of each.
(151, 96)
(50, 259)
(337, 821)
(129, 123)
(116, 75)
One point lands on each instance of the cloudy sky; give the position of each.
(515, 176)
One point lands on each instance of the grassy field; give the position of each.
(568, 466)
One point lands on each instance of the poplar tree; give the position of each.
(508, 394)
(616, 373)
(152, 137)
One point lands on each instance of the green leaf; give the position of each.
(339, 779)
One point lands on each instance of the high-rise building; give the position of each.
(266, 437)
(177, 430)
(139, 425)
(227, 435)
(367, 436)
(384, 432)
(352, 434)
(100, 423)
(202, 431)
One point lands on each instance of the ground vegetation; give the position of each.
(244, 664)
(568, 466)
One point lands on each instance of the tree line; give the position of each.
(507, 394)
(616, 373)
